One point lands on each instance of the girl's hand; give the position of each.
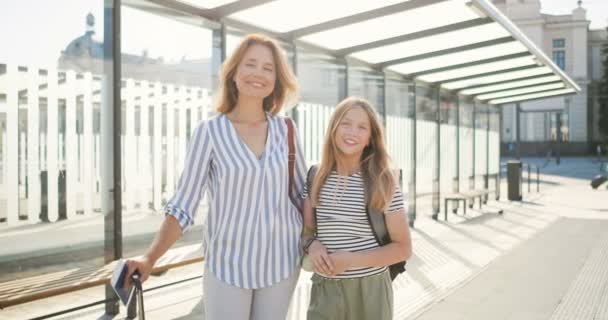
(143, 265)
(342, 261)
(320, 259)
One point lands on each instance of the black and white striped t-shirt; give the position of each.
(342, 222)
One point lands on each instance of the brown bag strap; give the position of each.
(292, 155)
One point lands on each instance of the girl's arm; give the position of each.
(399, 249)
(317, 253)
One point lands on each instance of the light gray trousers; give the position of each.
(223, 301)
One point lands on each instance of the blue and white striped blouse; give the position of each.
(253, 229)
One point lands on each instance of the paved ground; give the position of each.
(544, 258)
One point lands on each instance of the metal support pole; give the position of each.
(456, 184)
(218, 53)
(346, 81)
(412, 175)
(518, 130)
(437, 172)
(472, 176)
(559, 137)
(486, 181)
(537, 179)
(529, 177)
(294, 62)
(111, 189)
(500, 117)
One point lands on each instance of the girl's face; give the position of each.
(255, 75)
(353, 133)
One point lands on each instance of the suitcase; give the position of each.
(598, 181)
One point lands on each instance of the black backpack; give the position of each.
(376, 221)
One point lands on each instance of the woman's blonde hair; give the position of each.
(285, 86)
(375, 162)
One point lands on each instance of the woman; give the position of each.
(351, 279)
(241, 158)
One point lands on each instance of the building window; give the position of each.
(559, 53)
(559, 43)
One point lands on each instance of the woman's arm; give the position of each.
(182, 207)
(169, 233)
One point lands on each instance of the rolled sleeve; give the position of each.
(397, 203)
(193, 181)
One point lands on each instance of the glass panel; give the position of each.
(532, 96)
(496, 78)
(165, 78)
(438, 42)
(444, 13)
(321, 77)
(369, 84)
(399, 122)
(448, 140)
(479, 69)
(459, 58)
(426, 145)
(520, 91)
(287, 15)
(466, 143)
(49, 93)
(481, 125)
(510, 85)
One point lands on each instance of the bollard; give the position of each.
(537, 179)
(529, 178)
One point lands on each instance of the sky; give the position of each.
(597, 10)
(37, 30)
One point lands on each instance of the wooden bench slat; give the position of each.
(37, 287)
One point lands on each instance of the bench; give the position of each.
(52, 284)
(463, 197)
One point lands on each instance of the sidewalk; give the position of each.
(549, 248)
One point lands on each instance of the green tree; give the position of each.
(603, 95)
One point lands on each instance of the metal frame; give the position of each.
(487, 14)
(516, 88)
(471, 64)
(433, 54)
(517, 95)
(414, 36)
(359, 17)
(111, 177)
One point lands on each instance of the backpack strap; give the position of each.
(291, 159)
(292, 151)
(376, 218)
(310, 177)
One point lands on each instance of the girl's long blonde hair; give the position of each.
(285, 86)
(375, 162)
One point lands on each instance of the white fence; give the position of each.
(53, 135)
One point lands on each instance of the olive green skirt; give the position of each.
(362, 298)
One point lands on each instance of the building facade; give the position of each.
(532, 127)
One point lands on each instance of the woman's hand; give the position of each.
(342, 261)
(143, 265)
(317, 253)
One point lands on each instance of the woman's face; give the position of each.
(256, 73)
(353, 132)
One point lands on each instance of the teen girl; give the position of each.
(351, 279)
